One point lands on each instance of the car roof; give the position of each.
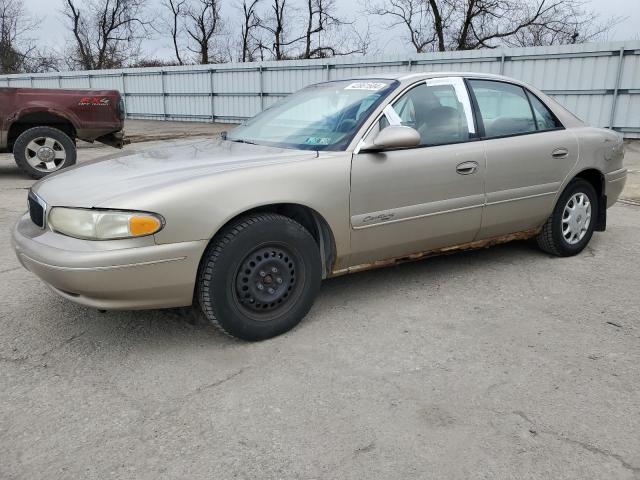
(404, 76)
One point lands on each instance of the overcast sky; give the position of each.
(54, 32)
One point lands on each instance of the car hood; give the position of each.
(95, 182)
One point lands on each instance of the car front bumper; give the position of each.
(118, 274)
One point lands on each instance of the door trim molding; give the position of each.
(522, 193)
(414, 212)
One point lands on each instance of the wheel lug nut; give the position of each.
(274, 270)
(278, 280)
(271, 291)
(262, 273)
(260, 286)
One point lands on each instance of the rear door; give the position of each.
(412, 200)
(529, 154)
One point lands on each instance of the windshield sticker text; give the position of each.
(317, 141)
(373, 86)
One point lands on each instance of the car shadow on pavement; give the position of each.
(145, 329)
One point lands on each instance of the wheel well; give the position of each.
(596, 179)
(39, 119)
(309, 219)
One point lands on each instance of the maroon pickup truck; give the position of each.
(41, 125)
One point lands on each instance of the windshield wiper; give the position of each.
(239, 140)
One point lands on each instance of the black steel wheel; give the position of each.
(259, 276)
(266, 281)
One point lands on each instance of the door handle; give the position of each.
(560, 153)
(467, 168)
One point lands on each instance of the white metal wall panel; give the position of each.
(187, 105)
(237, 106)
(144, 105)
(19, 82)
(593, 109)
(45, 82)
(111, 82)
(147, 83)
(584, 78)
(74, 82)
(630, 75)
(197, 82)
(628, 112)
(236, 81)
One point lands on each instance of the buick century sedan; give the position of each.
(340, 177)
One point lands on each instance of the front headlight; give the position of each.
(92, 224)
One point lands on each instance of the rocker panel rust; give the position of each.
(477, 244)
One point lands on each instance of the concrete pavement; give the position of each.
(503, 363)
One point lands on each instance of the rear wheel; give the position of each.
(40, 151)
(259, 277)
(572, 223)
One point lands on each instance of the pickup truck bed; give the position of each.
(65, 115)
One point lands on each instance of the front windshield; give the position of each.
(320, 117)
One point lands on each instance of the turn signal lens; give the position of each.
(143, 225)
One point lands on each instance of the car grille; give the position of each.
(36, 210)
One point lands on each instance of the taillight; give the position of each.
(121, 109)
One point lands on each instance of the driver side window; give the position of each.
(439, 110)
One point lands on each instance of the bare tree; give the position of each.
(106, 32)
(203, 23)
(418, 19)
(471, 24)
(277, 25)
(250, 43)
(330, 30)
(567, 23)
(18, 52)
(490, 23)
(174, 23)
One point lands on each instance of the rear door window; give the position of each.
(545, 119)
(504, 108)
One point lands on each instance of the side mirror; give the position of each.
(394, 136)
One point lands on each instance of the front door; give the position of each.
(413, 200)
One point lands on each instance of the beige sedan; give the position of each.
(340, 177)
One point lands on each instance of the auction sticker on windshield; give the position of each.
(373, 86)
(317, 141)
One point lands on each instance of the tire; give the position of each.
(259, 277)
(566, 233)
(40, 151)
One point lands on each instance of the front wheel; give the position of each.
(40, 151)
(572, 223)
(259, 276)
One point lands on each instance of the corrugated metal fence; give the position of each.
(600, 83)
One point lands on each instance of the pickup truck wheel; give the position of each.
(40, 151)
(571, 225)
(259, 277)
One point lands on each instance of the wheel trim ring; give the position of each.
(34, 147)
(576, 218)
(264, 315)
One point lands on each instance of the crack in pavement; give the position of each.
(10, 270)
(587, 446)
(26, 358)
(62, 344)
(217, 383)
(13, 359)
